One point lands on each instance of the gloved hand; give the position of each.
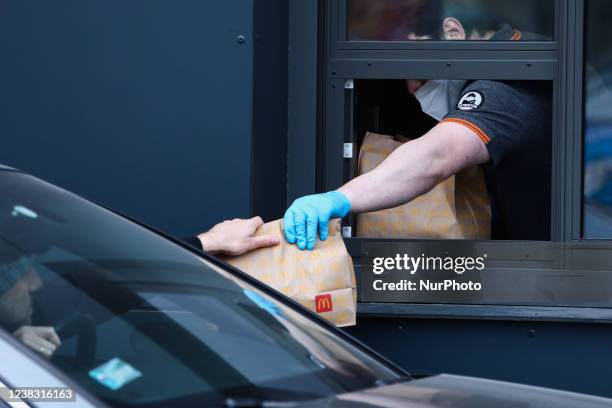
(311, 213)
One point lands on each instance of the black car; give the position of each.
(144, 320)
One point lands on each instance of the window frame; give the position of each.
(560, 61)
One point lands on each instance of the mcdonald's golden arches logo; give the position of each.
(323, 303)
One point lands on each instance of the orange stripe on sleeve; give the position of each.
(517, 35)
(478, 131)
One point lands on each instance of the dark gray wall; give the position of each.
(303, 84)
(270, 109)
(562, 355)
(144, 106)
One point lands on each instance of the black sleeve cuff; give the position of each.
(194, 242)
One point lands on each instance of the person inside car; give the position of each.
(18, 281)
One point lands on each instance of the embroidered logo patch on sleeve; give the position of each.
(470, 101)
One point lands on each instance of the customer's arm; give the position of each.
(44, 340)
(234, 237)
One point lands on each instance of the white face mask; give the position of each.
(439, 96)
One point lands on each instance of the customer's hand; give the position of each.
(42, 339)
(236, 237)
(310, 214)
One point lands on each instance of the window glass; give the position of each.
(598, 121)
(138, 321)
(506, 198)
(401, 20)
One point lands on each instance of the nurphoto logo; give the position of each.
(403, 267)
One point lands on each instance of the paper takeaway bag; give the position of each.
(322, 280)
(457, 208)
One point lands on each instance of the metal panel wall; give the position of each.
(568, 356)
(144, 106)
(270, 109)
(303, 84)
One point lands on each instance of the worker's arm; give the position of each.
(410, 171)
(415, 168)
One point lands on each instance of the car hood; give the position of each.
(457, 391)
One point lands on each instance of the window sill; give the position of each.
(485, 312)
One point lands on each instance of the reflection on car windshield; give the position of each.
(136, 319)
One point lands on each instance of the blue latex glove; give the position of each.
(311, 213)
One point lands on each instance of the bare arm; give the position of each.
(416, 167)
(236, 237)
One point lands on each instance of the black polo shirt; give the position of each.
(514, 120)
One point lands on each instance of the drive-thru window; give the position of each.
(374, 47)
(367, 52)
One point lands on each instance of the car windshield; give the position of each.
(141, 320)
